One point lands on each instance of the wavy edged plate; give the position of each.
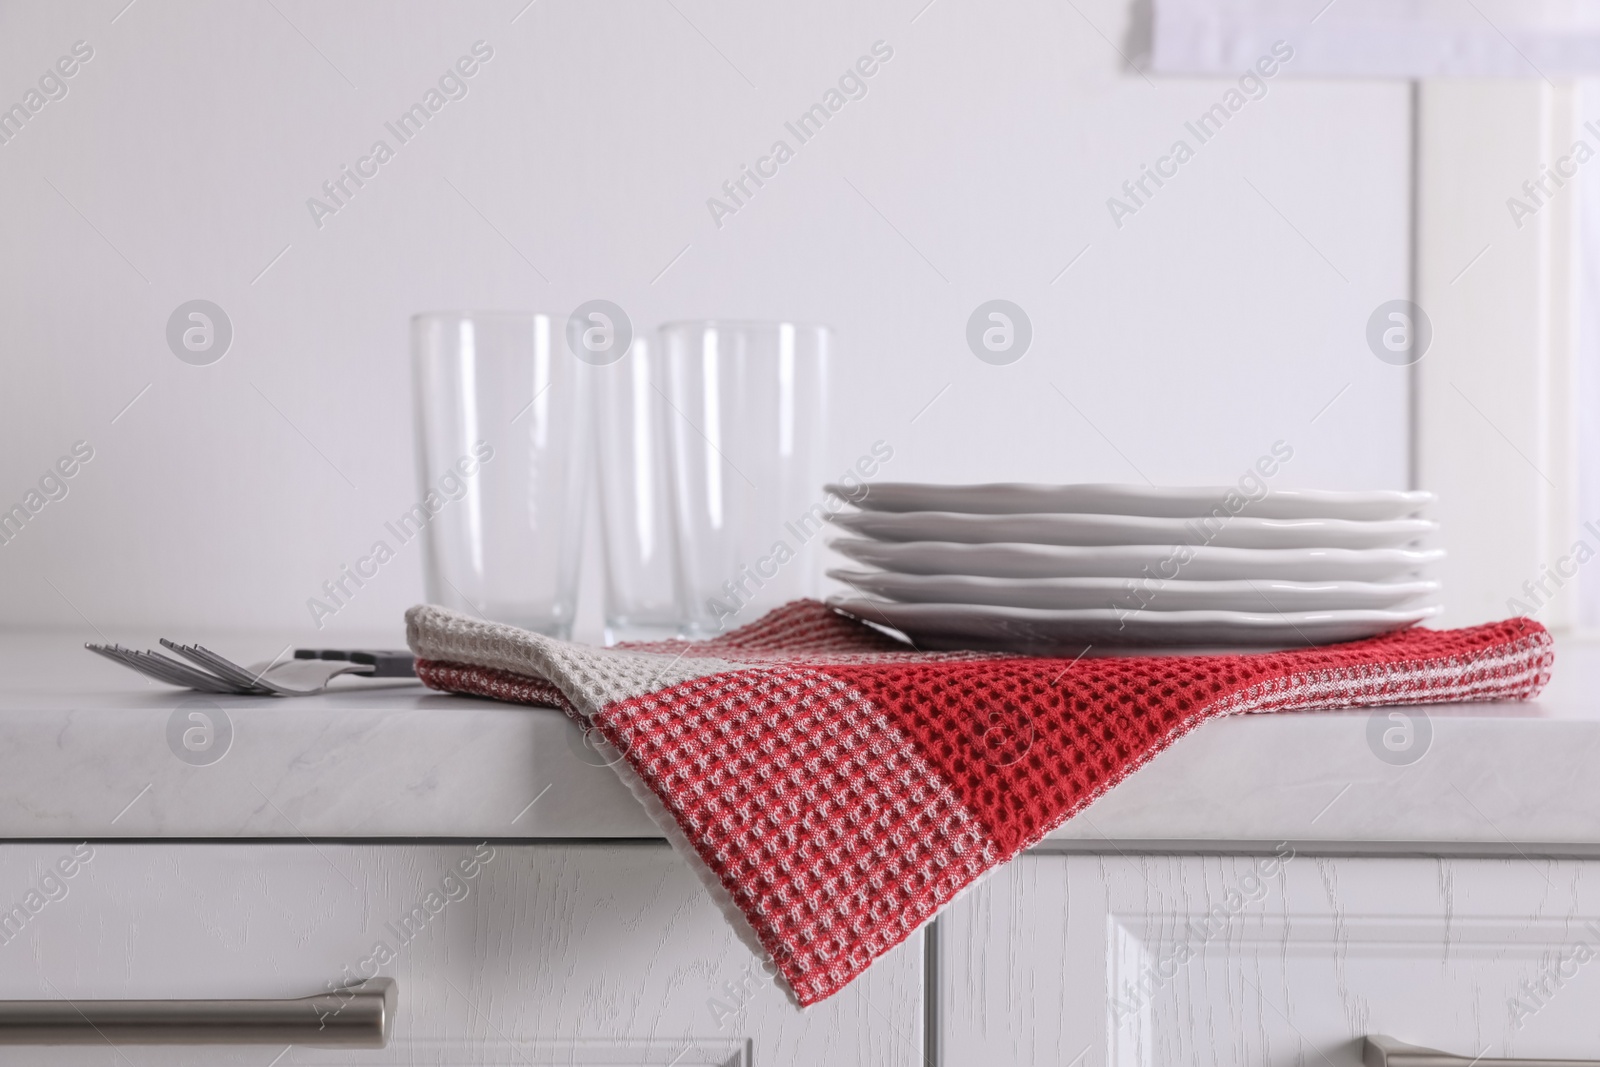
(1137, 561)
(1082, 530)
(1039, 632)
(1064, 594)
(1108, 498)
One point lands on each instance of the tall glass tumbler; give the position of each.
(631, 425)
(749, 415)
(503, 453)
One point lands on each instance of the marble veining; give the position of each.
(86, 752)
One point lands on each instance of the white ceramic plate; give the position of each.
(1045, 529)
(1060, 594)
(1138, 561)
(1038, 632)
(1009, 498)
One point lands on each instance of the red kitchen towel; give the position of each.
(835, 790)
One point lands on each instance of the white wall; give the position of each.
(1224, 315)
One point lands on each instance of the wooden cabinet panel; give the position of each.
(1127, 961)
(543, 954)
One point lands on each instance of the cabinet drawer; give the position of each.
(1128, 961)
(503, 954)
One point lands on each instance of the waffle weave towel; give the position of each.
(835, 790)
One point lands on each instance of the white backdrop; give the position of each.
(1228, 312)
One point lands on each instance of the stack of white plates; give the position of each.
(1056, 568)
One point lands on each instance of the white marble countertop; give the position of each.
(84, 753)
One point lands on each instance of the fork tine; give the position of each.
(176, 673)
(119, 655)
(183, 674)
(128, 658)
(173, 666)
(162, 669)
(220, 665)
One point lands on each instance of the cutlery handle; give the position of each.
(386, 663)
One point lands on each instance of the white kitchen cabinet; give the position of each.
(613, 954)
(1157, 960)
(551, 954)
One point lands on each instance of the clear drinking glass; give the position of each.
(631, 424)
(749, 413)
(503, 453)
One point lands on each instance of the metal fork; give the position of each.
(307, 674)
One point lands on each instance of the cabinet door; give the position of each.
(571, 954)
(1091, 960)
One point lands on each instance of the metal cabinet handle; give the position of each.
(1387, 1052)
(358, 1017)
